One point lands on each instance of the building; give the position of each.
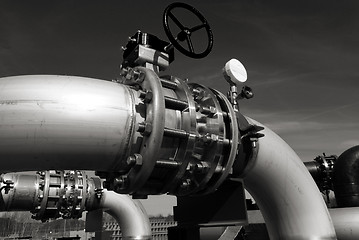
(159, 226)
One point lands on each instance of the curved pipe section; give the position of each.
(346, 178)
(285, 192)
(129, 214)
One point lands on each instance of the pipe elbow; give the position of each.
(285, 192)
(130, 215)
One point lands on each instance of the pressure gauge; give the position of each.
(234, 72)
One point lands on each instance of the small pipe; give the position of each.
(285, 192)
(314, 170)
(129, 214)
(20, 193)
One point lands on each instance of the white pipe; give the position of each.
(129, 214)
(65, 122)
(346, 222)
(285, 192)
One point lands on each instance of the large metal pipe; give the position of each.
(63, 122)
(285, 192)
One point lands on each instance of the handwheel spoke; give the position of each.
(196, 28)
(190, 45)
(178, 23)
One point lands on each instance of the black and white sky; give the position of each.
(302, 57)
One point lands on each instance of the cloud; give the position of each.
(331, 110)
(331, 132)
(295, 126)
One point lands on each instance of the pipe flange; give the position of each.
(230, 153)
(51, 187)
(61, 195)
(206, 157)
(186, 145)
(75, 194)
(151, 142)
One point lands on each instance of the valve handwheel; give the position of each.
(186, 32)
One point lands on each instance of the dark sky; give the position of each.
(302, 57)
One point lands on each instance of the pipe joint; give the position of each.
(321, 169)
(182, 125)
(67, 194)
(61, 194)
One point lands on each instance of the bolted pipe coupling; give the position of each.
(321, 169)
(62, 194)
(67, 194)
(185, 140)
(47, 194)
